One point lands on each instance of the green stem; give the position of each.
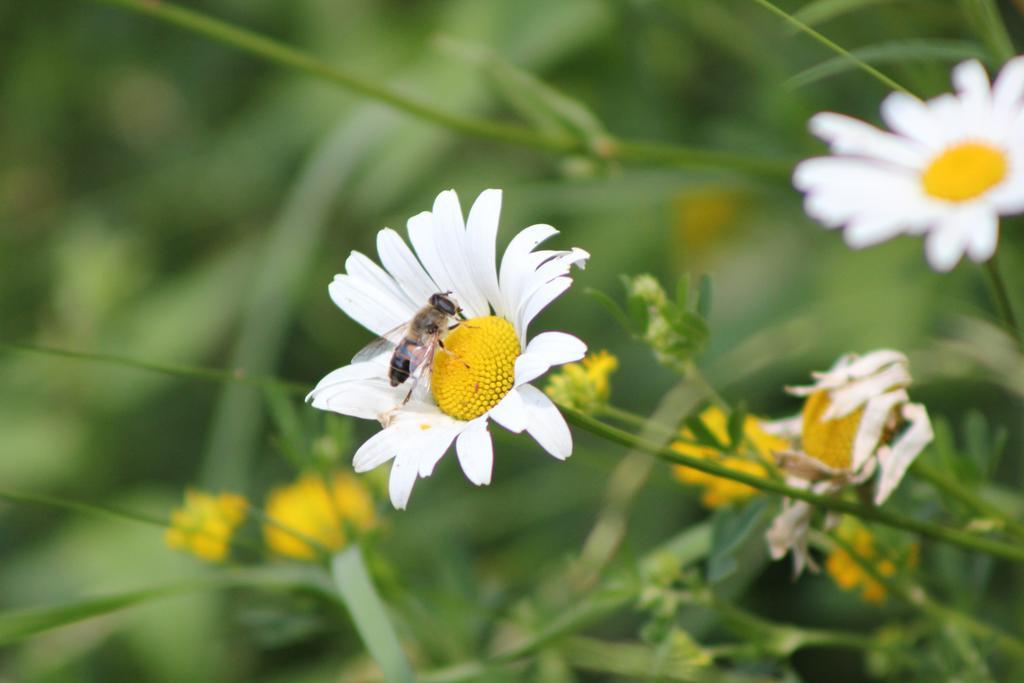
(838, 49)
(937, 531)
(20, 497)
(633, 420)
(916, 596)
(969, 498)
(608, 149)
(1002, 299)
(369, 614)
(785, 639)
(194, 372)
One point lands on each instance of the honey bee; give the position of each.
(413, 352)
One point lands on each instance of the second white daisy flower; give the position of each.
(950, 167)
(485, 371)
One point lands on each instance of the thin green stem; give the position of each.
(785, 639)
(916, 596)
(970, 499)
(937, 531)
(193, 372)
(633, 420)
(831, 45)
(1002, 300)
(21, 498)
(607, 149)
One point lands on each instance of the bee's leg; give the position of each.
(451, 353)
(408, 396)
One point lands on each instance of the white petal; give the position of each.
(370, 306)
(847, 135)
(476, 452)
(851, 367)
(545, 350)
(361, 267)
(399, 260)
(849, 397)
(904, 450)
(378, 449)
(482, 247)
(545, 423)
(516, 266)
(867, 231)
(510, 412)
(970, 79)
(984, 237)
(424, 241)
(912, 118)
(450, 244)
(365, 399)
(431, 445)
(946, 244)
(538, 302)
(403, 476)
(1008, 90)
(872, 425)
(547, 266)
(788, 532)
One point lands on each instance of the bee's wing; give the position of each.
(420, 376)
(380, 345)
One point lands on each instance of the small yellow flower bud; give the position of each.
(306, 510)
(204, 525)
(584, 385)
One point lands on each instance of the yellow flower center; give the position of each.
(476, 368)
(964, 171)
(830, 441)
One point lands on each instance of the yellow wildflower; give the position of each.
(584, 385)
(848, 573)
(719, 491)
(307, 509)
(204, 525)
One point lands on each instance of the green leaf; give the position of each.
(369, 614)
(546, 108)
(737, 540)
(896, 52)
(737, 420)
(610, 305)
(702, 434)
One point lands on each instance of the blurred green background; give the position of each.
(170, 199)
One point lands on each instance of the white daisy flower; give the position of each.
(950, 167)
(857, 422)
(486, 366)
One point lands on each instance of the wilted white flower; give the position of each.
(950, 167)
(857, 422)
(486, 366)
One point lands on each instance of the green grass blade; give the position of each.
(22, 623)
(988, 24)
(369, 614)
(821, 11)
(831, 45)
(897, 52)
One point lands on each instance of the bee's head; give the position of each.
(443, 302)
